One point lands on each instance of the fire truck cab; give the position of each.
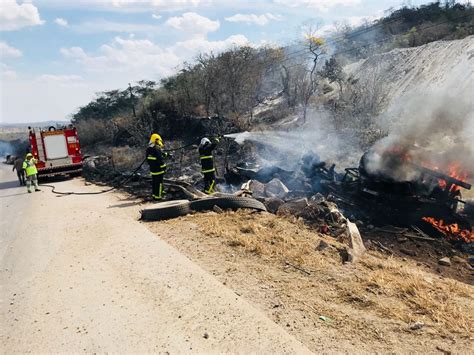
(57, 150)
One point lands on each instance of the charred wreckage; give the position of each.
(424, 200)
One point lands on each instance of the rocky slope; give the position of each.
(429, 66)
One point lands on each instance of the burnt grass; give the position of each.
(103, 167)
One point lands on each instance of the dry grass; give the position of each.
(278, 239)
(420, 296)
(389, 287)
(127, 157)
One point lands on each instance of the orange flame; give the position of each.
(451, 231)
(454, 171)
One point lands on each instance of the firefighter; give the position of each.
(20, 172)
(29, 165)
(155, 158)
(207, 163)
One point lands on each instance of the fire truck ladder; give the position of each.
(39, 146)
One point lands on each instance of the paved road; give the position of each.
(80, 273)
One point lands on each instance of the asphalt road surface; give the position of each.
(80, 273)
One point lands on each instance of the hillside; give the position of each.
(425, 67)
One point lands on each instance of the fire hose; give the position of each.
(53, 188)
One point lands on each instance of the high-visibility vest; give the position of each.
(30, 167)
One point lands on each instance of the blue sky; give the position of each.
(55, 54)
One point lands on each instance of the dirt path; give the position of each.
(79, 273)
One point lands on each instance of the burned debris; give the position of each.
(392, 215)
(426, 206)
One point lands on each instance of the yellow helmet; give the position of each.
(156, 138)
(29, 155)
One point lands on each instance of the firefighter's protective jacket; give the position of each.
(207, 160)
(30, 167)
(155, 158)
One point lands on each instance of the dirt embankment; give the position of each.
(423, 68)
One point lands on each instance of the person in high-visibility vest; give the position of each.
(207, 163)
(155, 158)
(29, 165)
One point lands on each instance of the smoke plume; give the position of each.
(433, 128)
(6, 148)
(285, 148)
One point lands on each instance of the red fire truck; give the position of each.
(57, 150)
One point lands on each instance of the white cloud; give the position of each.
(98, 26)
(165, 4)
(126, 55)
(190, 48)
(156, 17)
(14, 16)
(73, 52)
(61, 22)
(126, 5)
(260, 20)
(142, 58)
(321, 5)
(193, 24)
(8, 52)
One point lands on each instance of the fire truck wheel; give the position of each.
(230, 202)
(166, 210)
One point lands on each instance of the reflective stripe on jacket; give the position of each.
(207, 160)
(154, 157)
(30, 167)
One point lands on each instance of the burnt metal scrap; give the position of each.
(374, 198)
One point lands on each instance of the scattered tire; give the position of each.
(166, 210)
(231, 202)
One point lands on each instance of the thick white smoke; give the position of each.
(433, 128)
(285, 148)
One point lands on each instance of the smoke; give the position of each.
(433, 128)
(427, 117)
(6, 148)
(285, 149)
(16, 147)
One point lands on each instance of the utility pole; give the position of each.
(131, 99)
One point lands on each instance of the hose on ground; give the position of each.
(53, 188)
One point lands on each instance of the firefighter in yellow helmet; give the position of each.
(155, 158)
(29, 165)
(207, 163)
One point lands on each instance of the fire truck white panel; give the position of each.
(55, 146)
